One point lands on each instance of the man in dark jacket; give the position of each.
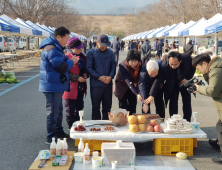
(188, 48)
(159, 48)
(176, 71)
(90, 44)
(101, 67)
(146, 52)
(148, 75)
(54, 80)
(116, 48)
(122, 44)
(133, 45)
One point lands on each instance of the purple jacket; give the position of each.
(123, 80)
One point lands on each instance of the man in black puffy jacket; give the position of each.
(101, 66)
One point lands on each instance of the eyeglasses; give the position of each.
(174, 64)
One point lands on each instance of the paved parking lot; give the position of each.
(23, 123)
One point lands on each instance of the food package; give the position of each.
(119, 116)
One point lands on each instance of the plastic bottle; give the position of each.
(65, 147)
(61, 143)
(81, 146)
(58, 148)
(86, 154)
(53, 148)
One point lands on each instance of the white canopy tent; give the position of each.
(154, 32)
(44, 32)
(23, 29)
(174, 32)
(161, 33)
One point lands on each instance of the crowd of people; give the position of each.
(140, 76)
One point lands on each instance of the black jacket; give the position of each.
(186, 69)
(146, 87)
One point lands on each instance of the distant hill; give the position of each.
(111, 7)
(125, 10)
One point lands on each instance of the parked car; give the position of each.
(4, 45)
(12, 44)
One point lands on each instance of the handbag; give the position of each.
(81, 86)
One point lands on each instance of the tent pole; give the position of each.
(216, 43)
(196, 44)
(12, 54)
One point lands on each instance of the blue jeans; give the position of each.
(54, 110)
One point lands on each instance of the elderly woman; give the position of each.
(73, 100)
(126, 82)
(147, 87)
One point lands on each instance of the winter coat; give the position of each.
(214, 78)
(145, 48)
(90, 44)
(74, 84)
(99, 63)
(186, 69)
(133, 46)
(188, 48)
(122, 44)
(116, 46)
(123, 81)
(85, 43)
(166, 47)
(146, 82)
(53, 64)
(160, 46)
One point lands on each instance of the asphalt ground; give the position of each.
(23, 122)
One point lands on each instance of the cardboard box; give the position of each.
(49, 166)
(125, 155)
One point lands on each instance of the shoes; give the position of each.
(214, 144)
(217, 159)
(64, 135)
(48, 142)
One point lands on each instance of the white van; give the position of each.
(22, 43)
(4, 45)
(12, 44)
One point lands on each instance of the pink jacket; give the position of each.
(73, 85)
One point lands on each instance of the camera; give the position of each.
(190, 85)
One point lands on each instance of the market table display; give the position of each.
(122, 133)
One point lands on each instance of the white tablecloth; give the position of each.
(123, 134)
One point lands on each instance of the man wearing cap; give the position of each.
(101, 66)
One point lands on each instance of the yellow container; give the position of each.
(170, 146)
(94, 145)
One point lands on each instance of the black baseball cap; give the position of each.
(103, 40)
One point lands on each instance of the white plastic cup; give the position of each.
(95, 154)
(114, 163)
(97, 162)
(78, 157)
(118, 143)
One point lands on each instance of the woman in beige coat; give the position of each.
(212, 72)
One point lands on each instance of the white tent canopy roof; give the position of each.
(160, 34)
(175, 32)
(23, 29)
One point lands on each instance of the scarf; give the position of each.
(82, 62)
(135, 76)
